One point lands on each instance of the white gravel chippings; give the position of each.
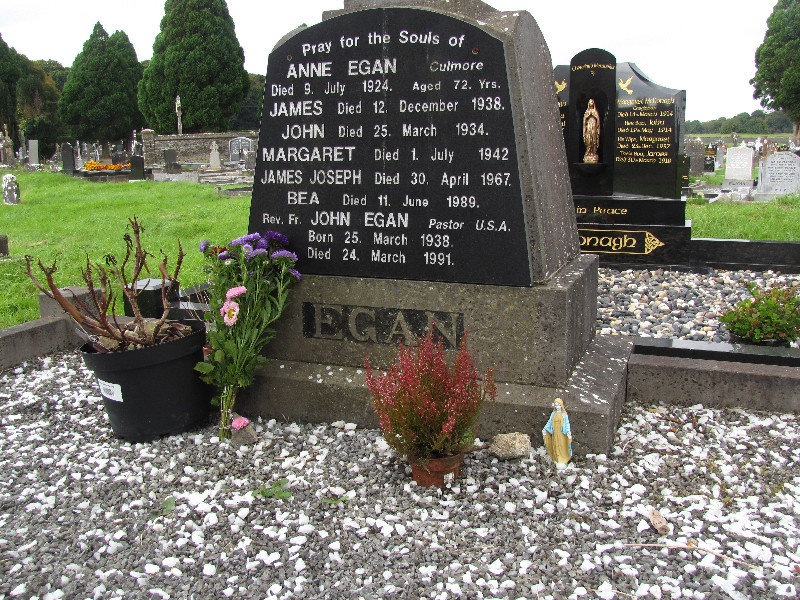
(86, 515)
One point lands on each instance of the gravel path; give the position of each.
(83, 515)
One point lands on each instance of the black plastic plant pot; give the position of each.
(154, 391)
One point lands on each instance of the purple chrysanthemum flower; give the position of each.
(295, 273)
(224, 255)
(203, 245)
(246, 239)
(283, 254)
(263, 243)
(277, 236)
(254, 253)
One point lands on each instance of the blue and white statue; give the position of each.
(557, 434)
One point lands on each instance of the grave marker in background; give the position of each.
(650, 123)
(236, 146)
(214, 162)
(710, 161)
(739, 166)
(137, 167)
(10, 189)
(33, 152)
(67, 159)
(415, 160)
(696, 151)
(779, 175)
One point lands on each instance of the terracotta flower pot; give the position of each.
(436, 471)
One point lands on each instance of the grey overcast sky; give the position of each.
(706, 47)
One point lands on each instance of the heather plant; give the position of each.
(771, 314)
(249, 286)
(427, 408)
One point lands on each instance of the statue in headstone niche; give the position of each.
(591, 133)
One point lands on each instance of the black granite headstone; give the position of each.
(592, 82)
(171, 164)
(236, 146)
(170, 156)
(137, 167)
(628, 206)
(380, 161)
(650, 124)
(709, 164)
(67, 159)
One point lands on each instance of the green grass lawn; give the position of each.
(778, 219)
(63, 218)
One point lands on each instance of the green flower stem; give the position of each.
(226, 402)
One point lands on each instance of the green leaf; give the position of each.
(204, 368)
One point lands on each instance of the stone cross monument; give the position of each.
(178, 112)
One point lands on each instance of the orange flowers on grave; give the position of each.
(93, 165)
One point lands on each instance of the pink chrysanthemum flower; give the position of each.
(230, 312)
(235, 291)
(240, 423)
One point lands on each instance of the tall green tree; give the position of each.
(198, 57)
(9, 76)
(99, 97)
(777, 79)
(56, 70)
(249, 115)
(37, 106)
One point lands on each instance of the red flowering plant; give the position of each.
(427, 408)
(249, 282)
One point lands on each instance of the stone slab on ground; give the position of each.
(593, 397)
(713, 383)
(41, 337)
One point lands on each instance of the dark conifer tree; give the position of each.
(197, 57)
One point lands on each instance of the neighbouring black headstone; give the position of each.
(629, 211)
(67, 159)
(650, 128)
(118, 158)
(413, 155)
(137, 167)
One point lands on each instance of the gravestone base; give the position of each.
(629, 209)
(324, 393)
(539, 340)
(530, 335)
(637, 244)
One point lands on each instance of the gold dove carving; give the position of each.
(560, 85)
(624, 85)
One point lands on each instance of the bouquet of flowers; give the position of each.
(249, 281)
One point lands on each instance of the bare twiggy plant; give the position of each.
(97, 316)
